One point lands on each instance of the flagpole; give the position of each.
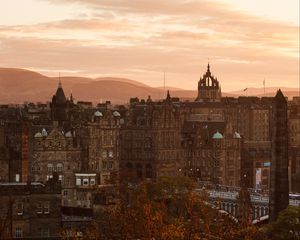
(164, 84)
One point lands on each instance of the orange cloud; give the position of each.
(141, 39)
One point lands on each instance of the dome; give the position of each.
(116, 114)
(217, 135)
(236, 135)
(98, 114)
(68, 134)
(44, 133)
(38, 134)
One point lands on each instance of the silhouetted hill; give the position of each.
(19, 85)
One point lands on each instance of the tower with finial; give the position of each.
(59, 105)
(209, 89)
(279, 184)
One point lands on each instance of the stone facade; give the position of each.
(56, 152)
(30, 210)
(213, 138)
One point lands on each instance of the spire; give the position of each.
(168, 95)
(71, 97)
(59, 81)
(280, 97)
(208, 66)
(60, 95)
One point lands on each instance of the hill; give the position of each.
(19, 85)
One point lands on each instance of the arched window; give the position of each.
(50, 167)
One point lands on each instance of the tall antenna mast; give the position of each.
(164, 84)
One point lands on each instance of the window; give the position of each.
(50, 167)
(85, 182)
(49, 177)
(46, 232)
(78, 181)
(65, 192)
(92, 181)
(40, 231)
(19, 232)
(46, 207)
(104, 164)
(104, 154)
(20, 208)
(110, 154)
(110, 165)
(59, 167)
(60, 177)
(39, 208)
(17, 177)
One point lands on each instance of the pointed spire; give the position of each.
(71, 97)
(59, 81)
(60, 95)
(279, 96)
(208, 66)
(168, 95)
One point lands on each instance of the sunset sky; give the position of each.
(246, 41)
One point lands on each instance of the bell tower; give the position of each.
(209, 89)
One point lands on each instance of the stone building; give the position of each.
(150, 139)
(12, 119)
(30, 210)
(103, 144)
(211, 139)
(294, 144)
(210, 156)
(57, 151)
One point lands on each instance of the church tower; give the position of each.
(59, 105)
(209, 89)
(279, 185)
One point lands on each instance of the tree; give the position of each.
(287, 225)
(168, 209)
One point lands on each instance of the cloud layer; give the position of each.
(141, 39)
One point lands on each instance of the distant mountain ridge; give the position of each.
(20, 85)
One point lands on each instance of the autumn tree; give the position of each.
(168, 209)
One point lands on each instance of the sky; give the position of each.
(245, 41)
